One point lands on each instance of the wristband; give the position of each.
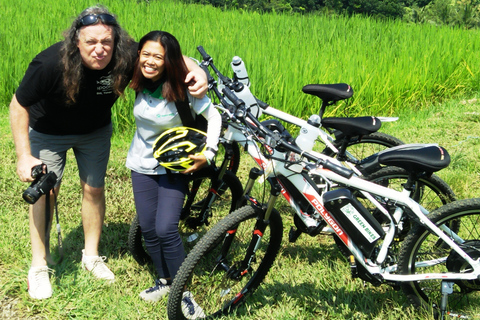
(211, 150)
(209, 154)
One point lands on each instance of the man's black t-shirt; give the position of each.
(42, 90)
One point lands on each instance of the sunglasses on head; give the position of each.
(93, 18)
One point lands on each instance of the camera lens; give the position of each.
(31, 195)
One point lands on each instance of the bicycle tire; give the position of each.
(226, 200)
(422, 244)
(209, 282)
(234, 163)
(360, 147)
(430, 191)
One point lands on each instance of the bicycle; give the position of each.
(232, 259)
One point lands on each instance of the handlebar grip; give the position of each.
(210, 79)
(204, 54)
(261, 104)
(232, 97)
(343, 171)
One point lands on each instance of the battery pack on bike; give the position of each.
(354, 218)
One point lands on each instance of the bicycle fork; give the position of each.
(241, 268)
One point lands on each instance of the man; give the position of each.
(64, 102)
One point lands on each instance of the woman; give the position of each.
(158, 81)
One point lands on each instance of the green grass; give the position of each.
(309, 280)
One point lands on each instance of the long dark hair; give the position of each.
(174, 87)
(123, 56)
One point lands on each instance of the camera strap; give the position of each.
(48, 225)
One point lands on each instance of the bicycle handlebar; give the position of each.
(205, 55)
(207, 59)
(241, 113)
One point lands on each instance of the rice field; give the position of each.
(392, 66)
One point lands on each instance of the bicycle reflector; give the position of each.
(173, 146)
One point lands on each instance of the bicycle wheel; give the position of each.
(359, 148)
(213, 275)
(204, 206)
(430, 192)
(423, 252)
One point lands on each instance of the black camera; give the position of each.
(43, 183)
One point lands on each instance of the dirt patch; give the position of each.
(8, 308)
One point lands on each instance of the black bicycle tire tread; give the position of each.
(241, 214)
(236, 158)
(387, 139)
(380, 138)
(435, 180)
(134, 241)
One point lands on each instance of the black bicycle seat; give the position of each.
(426, 158)
(358, 126)
(329, 92)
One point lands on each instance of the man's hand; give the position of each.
(198, 85)
(196, 79)
(24, 167)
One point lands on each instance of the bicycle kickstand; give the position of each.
(447, 288)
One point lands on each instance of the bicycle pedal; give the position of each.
(293, 234)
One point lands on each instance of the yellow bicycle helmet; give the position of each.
(173, 146)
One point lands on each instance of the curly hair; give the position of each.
(174, 87)
(123, 56)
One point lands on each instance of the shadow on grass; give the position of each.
(113, 245)
(318, 302)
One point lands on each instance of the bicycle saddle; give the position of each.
(418, 158)
(329, 92)
(353, 126)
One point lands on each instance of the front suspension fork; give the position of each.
(263, 220)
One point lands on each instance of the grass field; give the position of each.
(392, 66)
(403, 70)
(309, 280)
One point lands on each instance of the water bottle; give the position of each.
(240, 71)
(308, 133)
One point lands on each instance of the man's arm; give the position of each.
(200, 86)
(19, 125)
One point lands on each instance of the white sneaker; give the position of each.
(190, 309)
(39, 286)
(97, 266)
(156, 292)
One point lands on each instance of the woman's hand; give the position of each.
(200, 161)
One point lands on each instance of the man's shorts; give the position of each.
(91, 152)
